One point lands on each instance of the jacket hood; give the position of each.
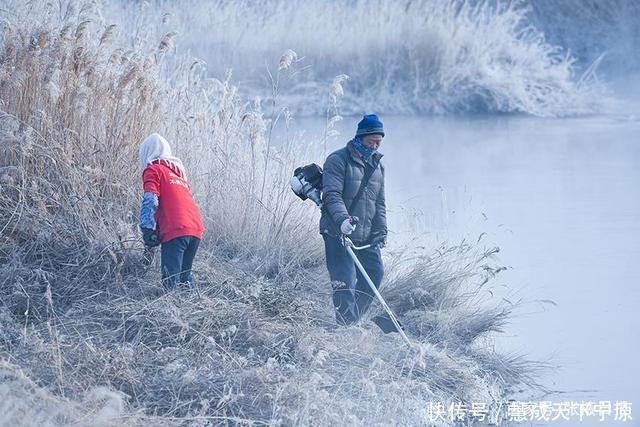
(155, 147)
(173, 167)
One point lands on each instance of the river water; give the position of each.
(561, 198)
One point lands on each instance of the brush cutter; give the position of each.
(306, 183)
(351, 247)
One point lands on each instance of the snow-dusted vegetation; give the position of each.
(426, 56)
(87, 334)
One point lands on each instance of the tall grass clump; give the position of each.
(89, 337)
(73, 111)
(238, 174)
(424, 56)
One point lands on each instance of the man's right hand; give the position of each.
(348, 226)
(150, 237)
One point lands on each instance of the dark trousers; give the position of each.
(351, 292)
(176, 260)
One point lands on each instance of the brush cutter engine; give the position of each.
(306, 183)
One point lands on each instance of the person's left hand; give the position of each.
(380, 242)
(150, 237)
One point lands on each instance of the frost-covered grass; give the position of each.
(433, 56)
(89, 337)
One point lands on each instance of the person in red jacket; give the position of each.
(168, 214)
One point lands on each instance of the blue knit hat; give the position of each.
(370, 125)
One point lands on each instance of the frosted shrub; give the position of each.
(433, 56)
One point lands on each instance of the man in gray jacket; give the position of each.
(353, 187)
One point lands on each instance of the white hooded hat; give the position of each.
(155, 147)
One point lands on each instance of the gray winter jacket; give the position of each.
(342, 174)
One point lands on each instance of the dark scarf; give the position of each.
(364, 151)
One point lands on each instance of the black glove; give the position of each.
(150, 237)
(379, 242)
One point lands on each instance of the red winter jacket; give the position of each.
(177, 214)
